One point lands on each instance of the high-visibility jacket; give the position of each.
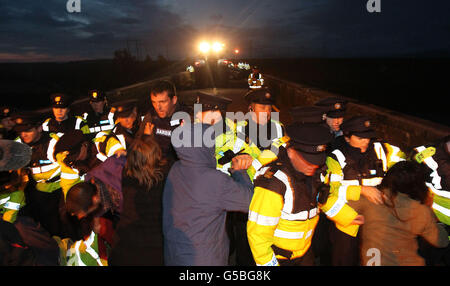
(437, 160)
(262, 155)
(12, 198)
(71, 123)
(348, 170)
(283, 213)
(88, 252)
(107, 145)
(45, 170)
(97, 123)
(255, 81)
(228, 140)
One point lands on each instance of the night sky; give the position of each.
(43, 30)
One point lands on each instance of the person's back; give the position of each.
(195, 200)
(396, 240)
(390, 230)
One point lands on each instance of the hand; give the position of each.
(120, 153)
(148, 130)
(359, 220)
(241, 162)
(372, 194)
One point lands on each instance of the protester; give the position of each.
(390, 229)
(138, 238)
(196, 199)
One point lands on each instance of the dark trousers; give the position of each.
(321, 243)
(237, 231)
(306, 260)
(44, 208)
(345, 248)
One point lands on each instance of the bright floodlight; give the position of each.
(217, 47)
(204, 47)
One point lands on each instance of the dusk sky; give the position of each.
(43, 30)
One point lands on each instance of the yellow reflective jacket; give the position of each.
(347, 175)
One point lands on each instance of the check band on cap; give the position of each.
(311, 149)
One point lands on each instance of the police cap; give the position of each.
(360, 126)
(60, 100)
(71, 141)
(308, 114)
(124, 108)
(335, 106)
(96, 96)
(25, 121)
(260, 96)
(212, 102)
(13, 155)
(310, 139)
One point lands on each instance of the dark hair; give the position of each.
(407, 177)
(164, 85)
(79, 197)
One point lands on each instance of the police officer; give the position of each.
(335, 112)
(7, 124)
(260, 131)
(355, 169)
(158, 119)
(231, 152)
(436, 158)
(127, 121)
(43, 192)
(284, 209)
(13, 179)
(99, 118)
(62, 121)
(255, 79)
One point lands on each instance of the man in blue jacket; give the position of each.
(196, 199)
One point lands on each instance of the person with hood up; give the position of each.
(196, 199)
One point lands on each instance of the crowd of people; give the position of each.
(113, 187)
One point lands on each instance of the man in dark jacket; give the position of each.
(196, 199)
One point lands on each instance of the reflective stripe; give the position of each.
(252, 86)
(381, 154)
(372, 182)
(78, 123)
(342, 194)
(5, 200)
(260, 172)
(238, 145)
(122, 140)
(441, 193)
(92, 251)
(350, 183)
(336, 178)
(51, 147)
(338, 205)
(288, 195)
(272, 262)
(12, 206)
(394, 156)
(256, 164)
(44, 169)
(45, 125)
(340, 157)
(287, 234)
(262, 220)
(101, 157)
(441, 209)
(69, 176)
